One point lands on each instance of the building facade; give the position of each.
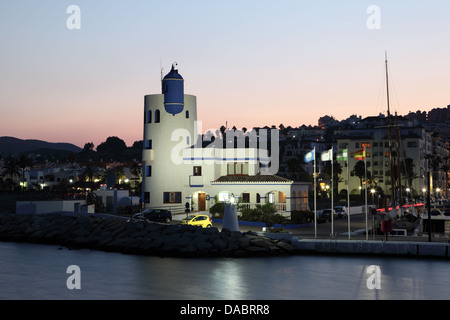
(180, 170)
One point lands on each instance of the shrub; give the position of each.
(302, 216)
(217, 210)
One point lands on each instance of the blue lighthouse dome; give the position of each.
(173, 90)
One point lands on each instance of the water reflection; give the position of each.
(39, 272)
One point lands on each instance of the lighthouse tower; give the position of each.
(169, 121)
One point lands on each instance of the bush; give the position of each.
(302, 216)
(217, 210)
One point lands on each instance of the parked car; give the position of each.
(340, 212)
(198, 220)
(326, 214)
(154, 215)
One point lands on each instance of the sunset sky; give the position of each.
(249, 62)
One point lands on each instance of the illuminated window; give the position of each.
(224, 196)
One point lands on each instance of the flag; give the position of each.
(342, 155)
(327, 155)
(309, 156)
(360, 155)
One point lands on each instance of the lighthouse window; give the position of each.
(146, 197)
(149, 116)
(187, 114)
(157, 116)
(198, 171)
(149, 171)
(148, 144)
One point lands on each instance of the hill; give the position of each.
(10, 145)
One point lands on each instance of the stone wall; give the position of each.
(119, 235)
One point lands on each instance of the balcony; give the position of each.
(196, 181)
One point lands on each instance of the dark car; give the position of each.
(326, 214)
(340, 212)
(154, 215)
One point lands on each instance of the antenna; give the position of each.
(162, 69)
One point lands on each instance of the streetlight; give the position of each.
(407, 193)
(372, 191)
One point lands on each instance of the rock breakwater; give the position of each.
(139, 237)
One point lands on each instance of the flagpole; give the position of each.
(315, 196)
(332, 195)
(365, 181)
(348, 194)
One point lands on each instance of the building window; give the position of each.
(148, 171)
(224, 196)
(157, 116)
(237, 169)
(246, 197)
(146, 197)
(187, 114)
(148, 144)
(258, 198)
(149, 116)
(172, 197)
(197, 171)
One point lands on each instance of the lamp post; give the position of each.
(408, 190)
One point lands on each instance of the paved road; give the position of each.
(357, 222)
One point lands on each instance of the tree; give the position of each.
(113, 147)
(445, 168)
(89, 146)
(23, 162)
(136, 171)
(359, 170)
(11, 168)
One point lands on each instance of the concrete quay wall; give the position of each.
(363, 247)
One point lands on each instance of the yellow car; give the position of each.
(198, 220)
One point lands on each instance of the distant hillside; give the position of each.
(13, 145)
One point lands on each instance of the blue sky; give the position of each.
(251, 63)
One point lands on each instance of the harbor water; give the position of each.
(31, 271)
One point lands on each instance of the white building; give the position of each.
(178, 169)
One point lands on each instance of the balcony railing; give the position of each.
(280, 207)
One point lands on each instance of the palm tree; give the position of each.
(11, 168)
(136, 171)
(445, 168)
(24, 162)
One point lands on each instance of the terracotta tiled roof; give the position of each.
(259, 178)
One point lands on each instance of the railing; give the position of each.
(279, 207)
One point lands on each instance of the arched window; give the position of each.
(149, 116)
(157, 116)
(187, 114)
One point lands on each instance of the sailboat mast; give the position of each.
(398, 149)
(390, 135)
